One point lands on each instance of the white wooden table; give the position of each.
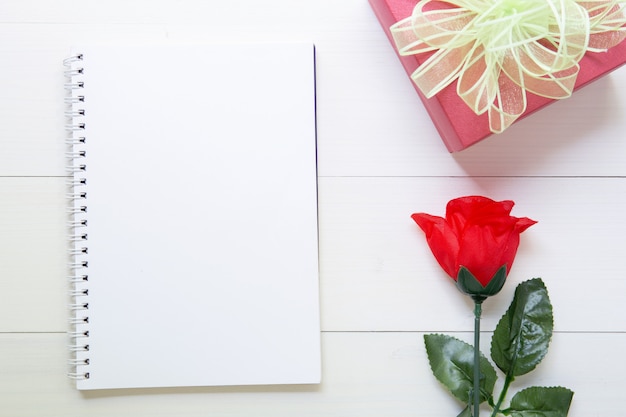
(380, 160)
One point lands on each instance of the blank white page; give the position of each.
(202, 215)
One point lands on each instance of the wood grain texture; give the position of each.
(33, 272)
(365, 374)
(378, 273)
(379, 160)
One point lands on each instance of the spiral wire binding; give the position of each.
(77, 221)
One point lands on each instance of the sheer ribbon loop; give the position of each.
(500, 50)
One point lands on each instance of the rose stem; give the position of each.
(477, 313)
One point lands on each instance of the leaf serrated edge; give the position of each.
(543, 286)
(488, 394)
(551, 309)
(554, 387)
(430, 365)
(546, 387)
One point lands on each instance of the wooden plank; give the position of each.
(372, 125)
(384, 131)
(379, 274)
(376, 271)
(31, 78)
(365, 374)
(33, 290)
(274, 14)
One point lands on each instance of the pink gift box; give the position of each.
(457, 124)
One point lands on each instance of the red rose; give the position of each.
(477, 233)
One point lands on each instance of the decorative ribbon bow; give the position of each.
(498, 50)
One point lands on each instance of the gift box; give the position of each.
(458, 125)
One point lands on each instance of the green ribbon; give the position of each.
(497, 51)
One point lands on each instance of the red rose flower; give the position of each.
(477, 234)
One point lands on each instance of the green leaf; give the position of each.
(497, 281)
(452, 363)
(541, 402)
(523, 334)
(467, 283)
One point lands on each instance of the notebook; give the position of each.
(193, 205)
